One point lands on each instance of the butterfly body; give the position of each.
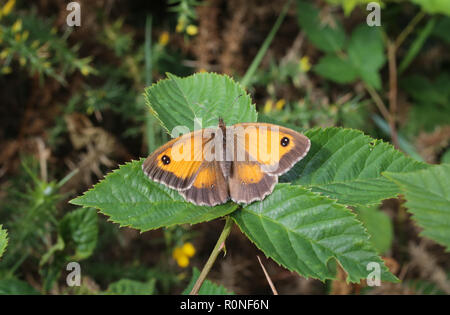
(241, 162)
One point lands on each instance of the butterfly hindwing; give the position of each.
(248, 182)
(209, 187)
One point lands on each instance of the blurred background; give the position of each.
(72, 109)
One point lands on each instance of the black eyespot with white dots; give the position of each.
(165, 159)
(284, 141)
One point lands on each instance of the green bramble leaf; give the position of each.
(427, 194)
(366, 54)
(346, 165)
(3, 240)
(203, 96)
(337, 69)
(131, 199)
(207, 288)
(304, 232)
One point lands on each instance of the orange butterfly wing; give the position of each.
(262, 153)
(177, 163)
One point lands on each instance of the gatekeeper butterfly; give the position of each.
(241, 162)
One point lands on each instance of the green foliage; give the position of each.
(206, 97)
(35, 46)
(185, 10)
(427, 194)
(366, 53)
(303, 231)
(129, 198)
(440, 30)
(417, 44)
(13, 286)
(38, 234)
(3, 240)
(79, 229)
(423, 90)
(329, 38)
(32, 204)
(446, 157)
(378, 225)
(349, 5)
(131, 287)
(336, 69)
(346, 165)
(113, 37)
(364, 59)
(431, 100)
(208, 287)
(434, 6)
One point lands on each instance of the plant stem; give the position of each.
(384, 112)
(262, 51)
(150, 134)
(392, 51)
(212, 258)
(409, 28)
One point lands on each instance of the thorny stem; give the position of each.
(212, 258)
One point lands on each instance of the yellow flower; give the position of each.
(268, 106)
(164, 38)
(183, 253)
(85, 70)
(35, 44)
(192, 30)
(7, 8)
(25, 35)
(183, 261)
(17, 26)
(305, 66)
(177, 252)
(22, 61)
(180, 26)
(4, 53)
(188, 249)
(6, 70)
(202, 70)
(280, 104)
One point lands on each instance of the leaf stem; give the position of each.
(212, 258)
